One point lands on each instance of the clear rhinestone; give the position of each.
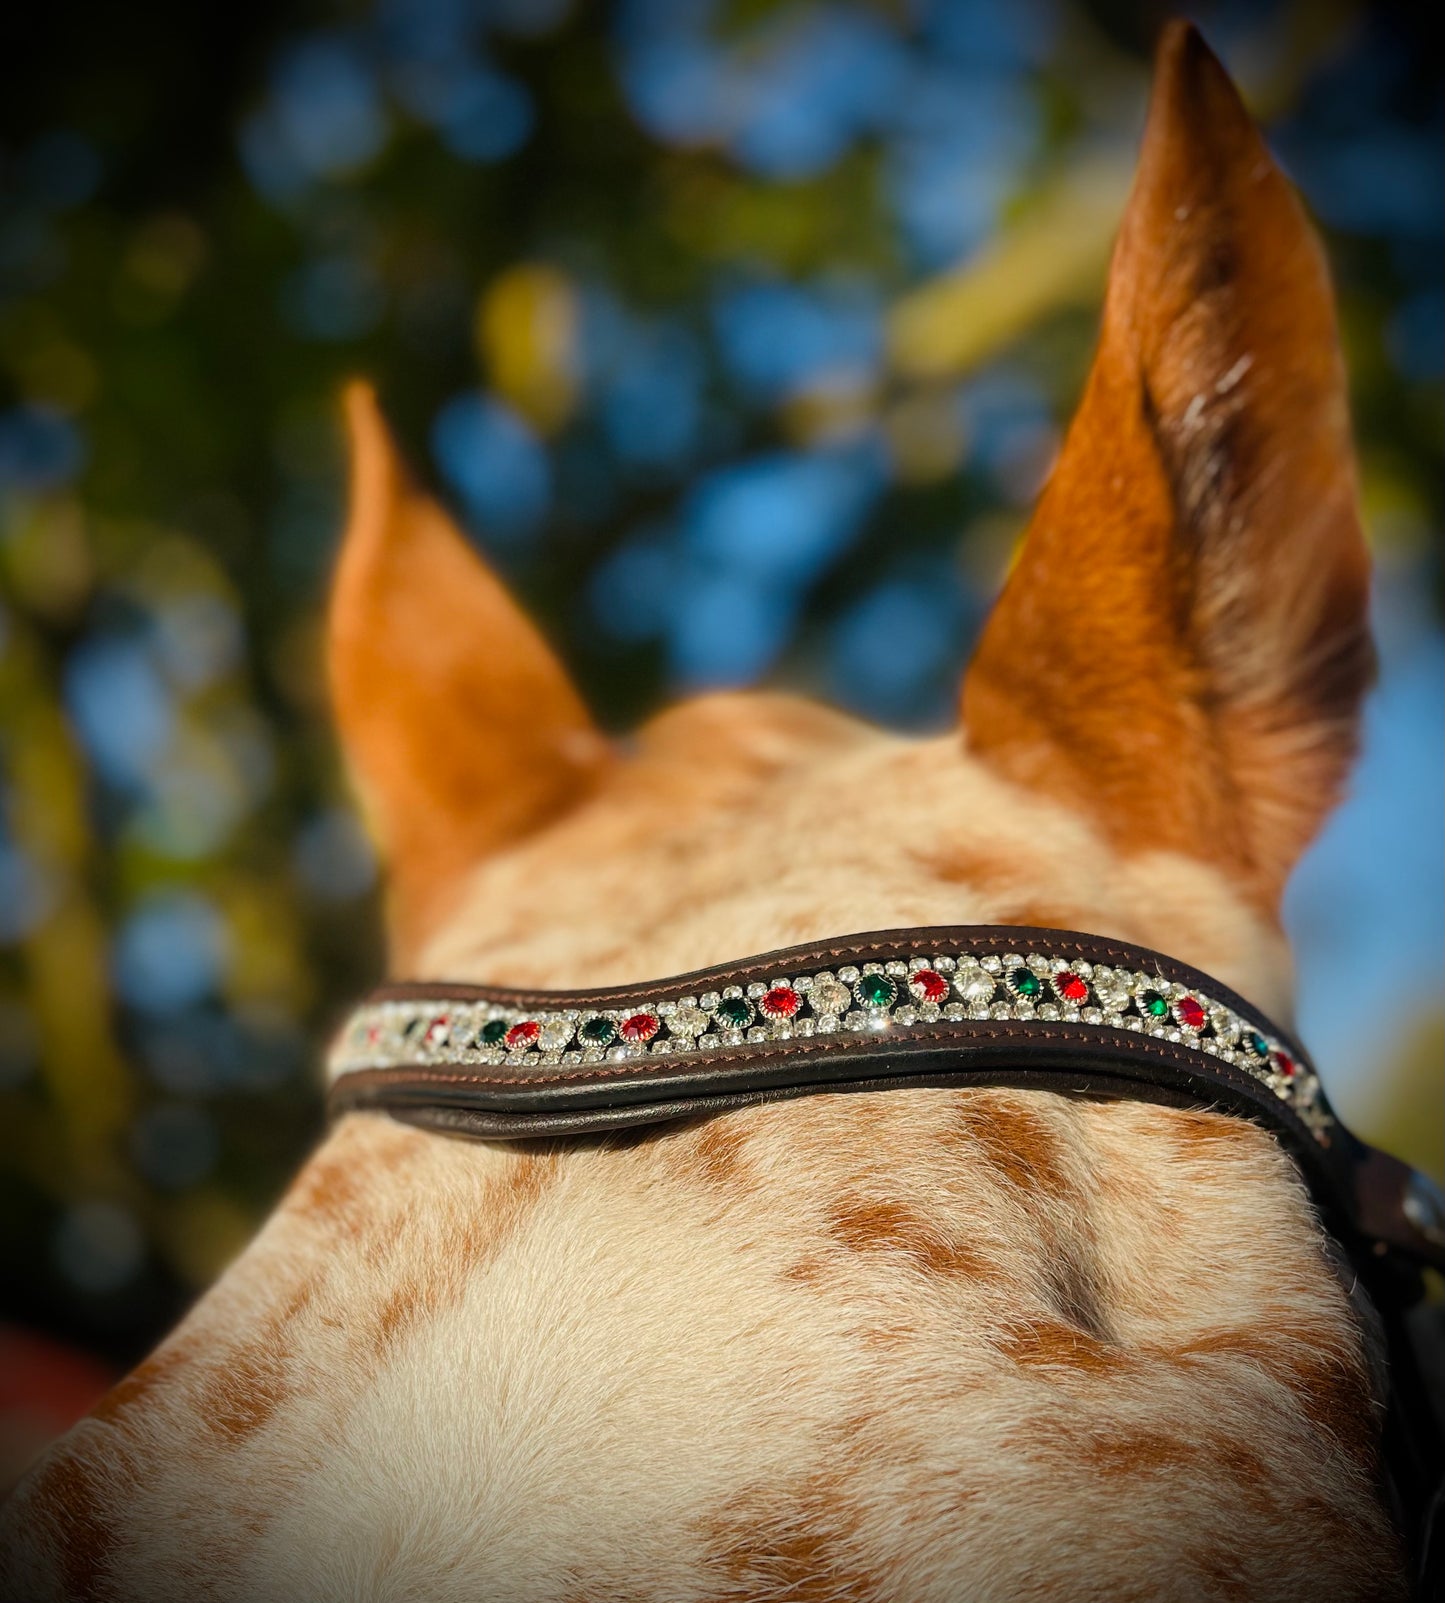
(955, 1011)
(708, 1042)
(848, 975)
(1112, 989)
(992, 964)
(1000, 1010)
(1091, 1015)
(556, 1033)
(929, 1012)
(825, 1023)
(731, 1037)
(896, 969)
(1226, 1026)
(803, 984)
(708, 1001)
(804, 1026)
(755, 990)
(663, 1048)
(944, 965)
(829, 996)
(687, 1019)
(856, 1021)
(906, 1015)
(972, 982)
(1039, 964)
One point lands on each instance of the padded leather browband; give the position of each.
(1049, 1010)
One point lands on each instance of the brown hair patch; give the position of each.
(875, 1225)
(69, 1492)
(1017, 1140)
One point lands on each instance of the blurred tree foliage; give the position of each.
(739, 334)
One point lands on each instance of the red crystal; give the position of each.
(781, 1002)
(1190, 1011)
(640, 1027)
(1071, 987)
(523, 1034)
(436, 1031)
(928, 985)
(1284, 1064)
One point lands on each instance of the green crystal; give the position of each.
(492, 1031)
(1025, 983)
(734, 1012)
(877, 990)
(1153, 1004)
(598, 1031)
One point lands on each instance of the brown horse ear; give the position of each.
(460, 727)
(1182, 645)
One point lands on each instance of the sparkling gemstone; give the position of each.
(556, 1033)
(640, 1027)
(734, 1012)
(436, 1031)
(973, 982)
(1024, 983)
(829, 996)
(876, 990)
(1153, 1005)
(1189, 1010)
(598, 1031)
(928, 985)
(1112, 989)
(687, 1020)
(1070, 986)
(1283, 1064)
(778, 1002)
(493, 1032)
(522, 1035)
(1225, 1026)
(1256, 1043)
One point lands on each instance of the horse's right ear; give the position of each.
(461, 728)
(1182, 646)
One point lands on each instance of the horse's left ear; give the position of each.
(461, 728)
(1182, 645)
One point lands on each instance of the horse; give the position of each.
(936, 1343)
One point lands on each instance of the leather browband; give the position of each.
(1050, 1010)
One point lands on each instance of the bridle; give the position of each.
(974, 1005)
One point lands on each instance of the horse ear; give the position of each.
(1182, 645)
(460, 728)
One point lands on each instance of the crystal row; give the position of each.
(871, 997)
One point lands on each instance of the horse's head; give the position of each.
(774, 1358)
